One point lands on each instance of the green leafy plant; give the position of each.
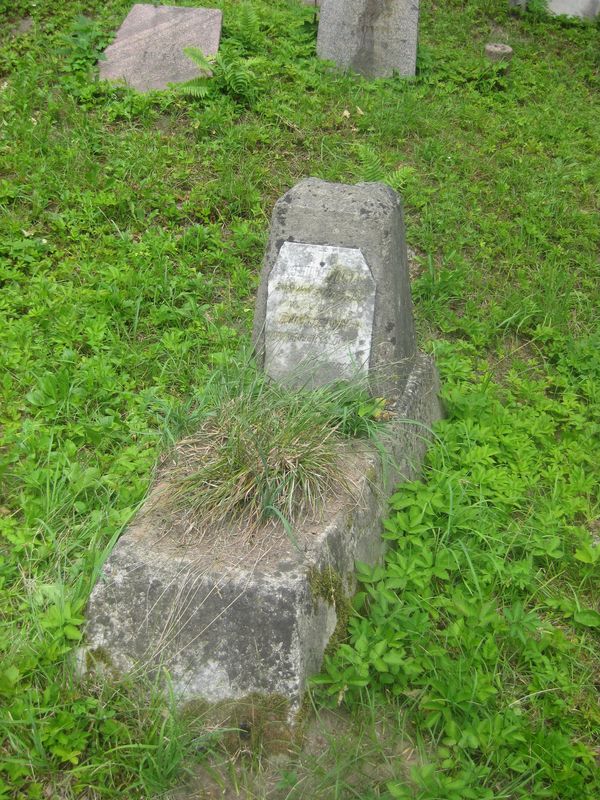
(371, 169)
(458, 627)
(244, 28)
(81, 46)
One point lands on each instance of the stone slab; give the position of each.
(232, 618)
(367, 217)
(373, 37)
(585, 9)
(319, 317)
(148, 50)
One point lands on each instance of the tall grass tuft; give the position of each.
(264, 450)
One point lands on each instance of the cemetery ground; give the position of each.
(132, 233)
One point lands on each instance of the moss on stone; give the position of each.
(328, 585)
(98, 659)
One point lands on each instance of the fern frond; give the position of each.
(236, 77)
(371, 168)
(245, 28)
(198, 57)
(398, 178)
(197, 87)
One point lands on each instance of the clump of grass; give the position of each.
(263, 450)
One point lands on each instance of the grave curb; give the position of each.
(225, 631)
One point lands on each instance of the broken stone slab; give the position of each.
(232, 618)
(360, 230)
(148, 49)
(373, 37)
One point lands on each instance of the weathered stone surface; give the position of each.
(229, 617)
(367, 217)
(319, 317)
(575, 8)
(496, 52)
(148, 50)
(373, 37)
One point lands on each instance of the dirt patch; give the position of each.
(23, 26)
(339, 755)
(518, 353)
(270, 543)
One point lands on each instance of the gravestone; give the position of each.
(334, 298)
(373, 37)
(148, 50)
(585, 9)
(234, 617)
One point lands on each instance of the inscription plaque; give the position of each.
(319, 314)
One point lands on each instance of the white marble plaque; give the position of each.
(319, 320)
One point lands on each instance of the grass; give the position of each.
(132, 231)
(263, 451)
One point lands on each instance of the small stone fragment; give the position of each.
(496, 52)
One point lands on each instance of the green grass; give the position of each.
(132, 232)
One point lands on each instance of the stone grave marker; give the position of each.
(585, 9)
(148, 50)
(234, 617)
(334, 298)
(373, 37)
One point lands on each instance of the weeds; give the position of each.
(482, 626)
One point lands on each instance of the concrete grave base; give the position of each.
(230, 617)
